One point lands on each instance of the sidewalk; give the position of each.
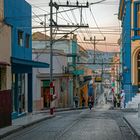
(23, 122)
(134, 122)
(28, 120)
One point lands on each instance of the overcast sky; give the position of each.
(102, 17)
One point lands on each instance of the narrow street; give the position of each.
(100, 123)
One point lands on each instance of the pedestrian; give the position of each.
(122, 99)
(52, 103)
(105, 95)
(90, 92)
(118, 100)
(76, 98)
(114, 100)
(83, 102)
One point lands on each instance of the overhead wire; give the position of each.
(77, 23)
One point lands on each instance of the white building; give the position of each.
(61, 78)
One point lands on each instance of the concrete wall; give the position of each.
(17, 13)
(5, 50)
(1, 10)
(64, 45)
(58, 62)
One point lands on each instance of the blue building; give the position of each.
(129, 14)
(17, 15)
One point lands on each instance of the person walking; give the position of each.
(122, 99)
(76, 99)
(105, 96)
(83, 102)
(118, 100)
(90, 93)
(114, 100)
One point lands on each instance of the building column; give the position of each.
(30, 96)
(15, 92)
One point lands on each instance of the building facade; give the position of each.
(62, 80)
(17, 16)
(129, 14)
(70, 73)
(5, 70)
(5, 52)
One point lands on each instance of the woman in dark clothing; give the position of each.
(114, 101)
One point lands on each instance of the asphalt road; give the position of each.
(100, 123)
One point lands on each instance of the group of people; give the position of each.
(119, 99)
(90, 96)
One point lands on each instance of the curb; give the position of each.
(130, 110)
(61, 110)
(19, 128)
(132, 128)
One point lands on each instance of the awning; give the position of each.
(30, 63)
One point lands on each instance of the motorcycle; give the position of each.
(90, 102)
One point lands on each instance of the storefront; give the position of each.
(22, 85)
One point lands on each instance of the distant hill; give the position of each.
(99, 57)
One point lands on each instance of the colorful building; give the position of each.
(17, 17)
(72, 53)
(115, 74)
(5, 70)
(62, 80)
(129, 14)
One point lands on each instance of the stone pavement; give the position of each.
(23, 122)
(18, 124)
(134, 122)
(28, 120)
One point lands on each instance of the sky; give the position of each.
(101, 18)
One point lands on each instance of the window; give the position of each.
(20, 38)
(138, 7)
(138, 19)
(27, 41)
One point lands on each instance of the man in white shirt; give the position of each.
(122, 99)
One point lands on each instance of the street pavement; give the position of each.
(100, 123)
(134, 122)
(23, 122)
(131, 118)
(29, 120)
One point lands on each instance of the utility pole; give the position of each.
(54, 24)
(102, 76)
(51, 41)
(95, 41)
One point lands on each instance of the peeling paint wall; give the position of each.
(5, 50)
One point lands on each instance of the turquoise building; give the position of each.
(129, 14)
(17, 15)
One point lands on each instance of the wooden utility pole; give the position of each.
(54, 24)
(94, 40)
